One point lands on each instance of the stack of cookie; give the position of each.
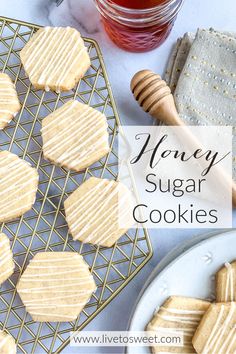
(217, 330)
(56, 286)
(205, 327)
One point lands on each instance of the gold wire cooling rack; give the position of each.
(44, 227)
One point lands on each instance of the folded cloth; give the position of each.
(202, 76)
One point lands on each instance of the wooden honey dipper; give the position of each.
(155, 97)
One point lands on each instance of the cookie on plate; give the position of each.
(56, 286)
(226, 283)
(178, 316)
(9, 102)
(18, 186)
(75, 136)
(99, 211)
(216, 332)
(55, 58)
(6, 258)
(7, 343)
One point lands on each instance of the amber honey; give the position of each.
(138, 4)
(137, 25)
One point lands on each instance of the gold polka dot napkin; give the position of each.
(202, 75)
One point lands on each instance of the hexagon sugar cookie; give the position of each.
(56, 286)
(99, 211)
(18, 186)
(216, 331)
(226, 283)
(9, 103)
(6, 259)
(75, 136)
(55, 58)
(7, 343)
(178, 314)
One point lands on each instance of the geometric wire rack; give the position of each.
(44, 228)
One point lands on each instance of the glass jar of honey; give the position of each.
(138, 25)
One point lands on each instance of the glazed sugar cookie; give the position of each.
(178, 315)
(6, 259)
(9, 103)
(7, 343)
(55, 58)
(216, 331)
(75, 136)
(18, 186)
(226, 283)
(56, 286)
(92, 211)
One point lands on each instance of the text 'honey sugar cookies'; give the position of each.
(7, 343)
(9, 102)
(216, 332)
(6, 259)
(55, 58)
(226, 283)
(56, 286)
(75, 136)
(178, 316)
(18, 186)
(99, 211)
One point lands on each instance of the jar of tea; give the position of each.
(138, 25)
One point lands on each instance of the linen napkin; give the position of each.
(202, 76)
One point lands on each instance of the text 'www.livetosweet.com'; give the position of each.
(124, 338)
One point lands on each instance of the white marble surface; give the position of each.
(121, 66)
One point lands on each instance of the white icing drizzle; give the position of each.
(182, 319)
(60, 113)
(51, 266)
(53, 298)
(124, 213)
(3, 242)
(183, 311)
(84, 200)
(72, 129)
(54, 306)
(49, 274)
(54, 54)
(57, 286)
(54, 314)
(178, 322)
(59, 259)
(186, 331)
(55, 49)
(65, 57)
(228, 342)
(81, 131)
(80, 216)
(61, 292)
(229, 288)
(191, 317)
(40, 278)
(89, 214)
(215, 341)
(14, 178)
(36, 59)
(6, 258)
(76, 149)
(4, 340)
(114, 210)
(70, 66)
(8, 99)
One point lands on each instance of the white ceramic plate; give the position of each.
(190, 274)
